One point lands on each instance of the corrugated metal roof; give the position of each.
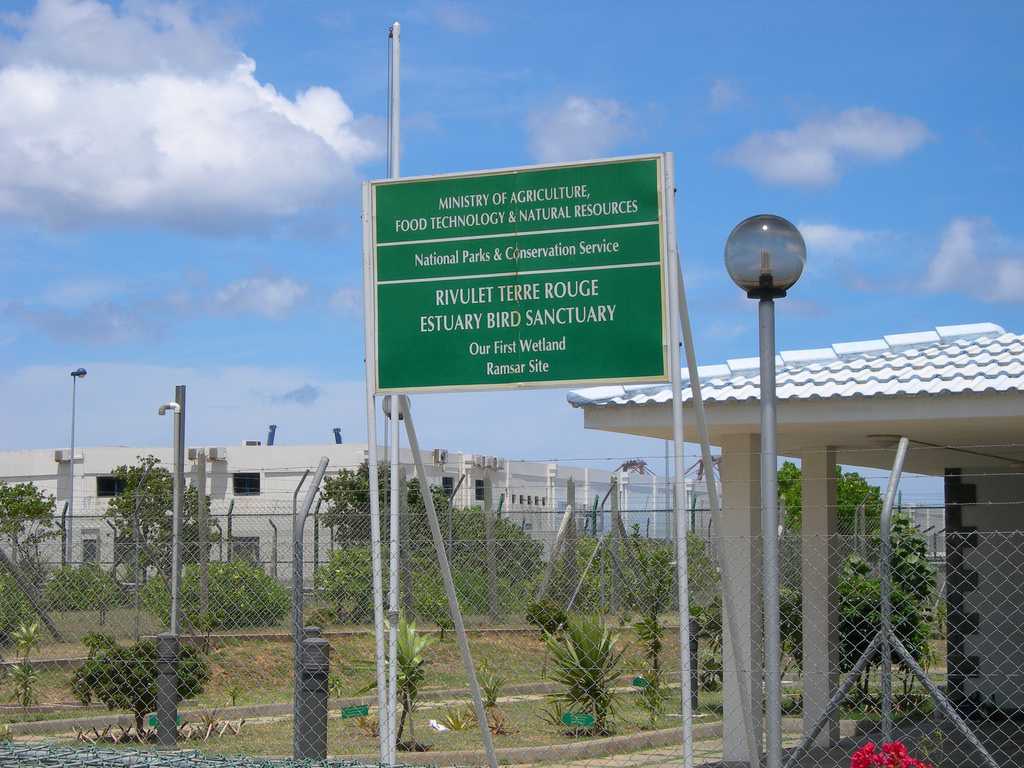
(981, 357)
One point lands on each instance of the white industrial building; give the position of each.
(250, 488)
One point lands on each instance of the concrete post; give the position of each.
(167, 690)
(311, 705)
(742, 642)
(405, 543)
(617, 580)
(492, 552)
(202, 522)
(819, 569)
(572, 576)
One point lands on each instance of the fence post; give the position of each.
(204, 531)
(571, 569)
(492, 562)
(617, 579)
(405, 563)
(694, 651)
(167, 690)
(311, 705)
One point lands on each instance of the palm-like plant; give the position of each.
(410, 675)
(27, 638)
(24, 679)
(411, 672)
(587, 662)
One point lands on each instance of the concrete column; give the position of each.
(742, 650)
(819, 568)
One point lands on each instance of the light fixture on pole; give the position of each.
(177, 451)
(765, 256)
(78, 373)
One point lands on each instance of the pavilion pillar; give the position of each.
(742, 626)
(819, 570)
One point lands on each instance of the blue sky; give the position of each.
(179, 186)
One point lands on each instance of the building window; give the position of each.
(448, 485)
(90, 547)
(543, 501)
(246, 483)
(107, 486)
(246, 548)
(478, 486)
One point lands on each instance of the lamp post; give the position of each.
(765, 256)
(78, 373)
(178, 453)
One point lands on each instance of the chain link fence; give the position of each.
(575, 635)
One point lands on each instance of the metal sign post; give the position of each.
(678, 500)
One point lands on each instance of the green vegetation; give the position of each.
(852, 491)
(241, 595)
(587, 663)
(126, 677)
(15, 608)
(82, 588)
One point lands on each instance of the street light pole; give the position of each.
(765, 256)
(770, 534)
(78, 373)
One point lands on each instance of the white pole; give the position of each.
(678, 502)
(394, 35)
(373, 482)
(725, 564)
(176, 512)
(393, 586)
(68, 524)
(449, 585)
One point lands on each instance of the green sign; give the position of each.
(152, 721)
(641, 682)
(578, 718)
(358, 710)
(535, 276)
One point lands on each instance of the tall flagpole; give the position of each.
(394, 36)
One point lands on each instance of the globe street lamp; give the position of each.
(78, 373)
(765, 256)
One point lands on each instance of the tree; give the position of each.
(852, 491)
(151, 487)
(26, 517)
(126, 677)
(348, 503)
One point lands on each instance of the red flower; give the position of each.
(892, 755)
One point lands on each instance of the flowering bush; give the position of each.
(891, 755)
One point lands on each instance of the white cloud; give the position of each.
(459, 17)
(975, 259)
(270, 297)
(81, 291)
(724, 94)
(347, 301)
(143, 113)
(577, 129)
(830, 238)
(815, 151)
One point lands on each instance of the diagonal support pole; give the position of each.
(449, 584)
(941, 701)
(835, 701)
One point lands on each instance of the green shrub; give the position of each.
(240, 595)
(345, 582)
(587, 662)
(84, 588)
(126, 677)
(547, 615)
(15, 608)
